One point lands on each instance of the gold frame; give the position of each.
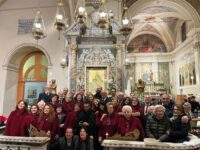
(107, 69)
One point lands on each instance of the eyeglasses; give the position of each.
(165, 98)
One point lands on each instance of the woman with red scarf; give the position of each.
(108, 123)
(16, 117)
(72, 118)
(49, 123)
(30, 119)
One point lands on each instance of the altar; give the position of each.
(193, 144)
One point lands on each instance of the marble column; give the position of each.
(119, 67)
(73, 66)
(196, 46)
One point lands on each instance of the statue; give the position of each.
(53, 86)
(140, 87)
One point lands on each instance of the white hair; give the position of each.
(158, 106)
(127, 107)
(186, 104)
(41, 103)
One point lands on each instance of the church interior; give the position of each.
(141, 49)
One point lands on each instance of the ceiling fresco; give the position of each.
(146, 44)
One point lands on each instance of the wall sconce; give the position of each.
(63, 63)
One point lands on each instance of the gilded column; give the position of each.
(119, 66)
(73, 66)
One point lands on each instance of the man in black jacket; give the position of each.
(86, 119)
(69, 141)
(46, 95)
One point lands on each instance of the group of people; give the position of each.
(82, 121)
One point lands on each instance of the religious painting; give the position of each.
(146, 72)
(187, 74)
(96, 57)
(146, 43)
(163, 74)
(96, 76)
(32, 91)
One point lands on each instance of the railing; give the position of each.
(193, 144)
(23, 143)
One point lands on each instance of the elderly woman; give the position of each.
(129, 124)
(158, 125)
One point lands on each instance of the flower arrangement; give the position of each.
(2, 120)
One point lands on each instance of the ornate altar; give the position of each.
(96, 49)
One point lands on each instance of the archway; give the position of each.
(10, 74)
(163, 18)
(32, 76)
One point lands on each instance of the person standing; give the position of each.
(16, 117)
(46, 95)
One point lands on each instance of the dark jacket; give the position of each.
(179, 130)
(62, 143)
(157, 128)
(88, 117)
(85, 145)
(169, 109)
(45, 97)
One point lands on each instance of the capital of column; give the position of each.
(120, 46)
(73, 46)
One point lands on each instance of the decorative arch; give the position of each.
(10, 76)
(183, 7)
(14, 56)
(33, 68)
(182, 10)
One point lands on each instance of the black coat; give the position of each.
(88, 117)
(179, 130)
(45, 97)
(85, 145)
(62, 143)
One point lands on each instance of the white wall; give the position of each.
(10, 12)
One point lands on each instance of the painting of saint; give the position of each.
(187, 74)
(96, 78)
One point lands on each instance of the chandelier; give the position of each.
(60, 24)
(38, 30)
(125, 29)
(105, 17)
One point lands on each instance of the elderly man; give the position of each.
(146, 104)
(129, 125)
(120, 98)
(104, 97)
(46, 95)
(158, 125)
(168, 104)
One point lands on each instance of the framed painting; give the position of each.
(96, 76)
